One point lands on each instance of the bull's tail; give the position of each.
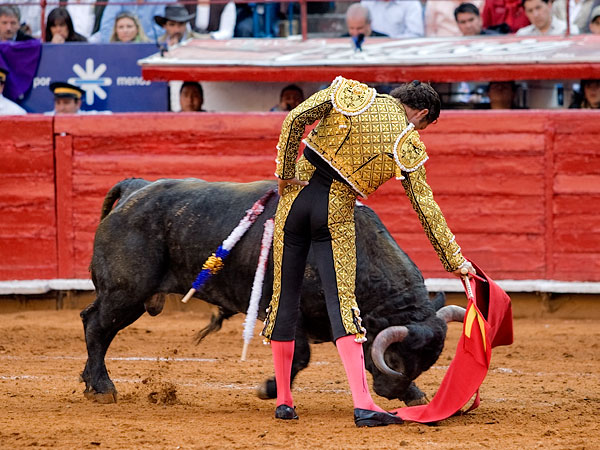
(214, 325)
(120, 190)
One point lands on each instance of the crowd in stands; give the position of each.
(168, 23)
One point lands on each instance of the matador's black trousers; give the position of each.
(320, 215)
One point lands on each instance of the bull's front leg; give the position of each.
(268, 389)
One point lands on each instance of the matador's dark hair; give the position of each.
(417, 95)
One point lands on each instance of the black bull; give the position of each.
(159, 235)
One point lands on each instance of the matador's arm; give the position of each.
(432, 219)
(292, 130)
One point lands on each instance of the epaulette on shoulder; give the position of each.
(350, 97)
(411, 155)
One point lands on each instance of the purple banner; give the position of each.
(21, 59)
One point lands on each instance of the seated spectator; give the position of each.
(59, 28)
(469, 21)
(191, 96)
(81, 12)
(215, 19)
(290, 97)
(502, 95)
(504, 16)
(594, 24)
(7, 107)
(358, 22)
(127, 28)
(440, 17)
(396, 18)
(579, 12)
(9, 24)
(67, 98)
(144, 10)
(543, 23)
(588, 96)
(175, 24)
(252, 20)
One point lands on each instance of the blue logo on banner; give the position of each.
(107, 73)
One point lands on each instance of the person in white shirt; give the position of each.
(396, 18)
(543, 23)
(8, 107)
(579, 12)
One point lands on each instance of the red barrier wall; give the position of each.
(27, 206)
(520, 189)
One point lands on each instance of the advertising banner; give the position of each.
(108, 74)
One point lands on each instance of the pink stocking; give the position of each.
(353, 358)
(283, 354)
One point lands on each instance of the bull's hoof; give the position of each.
(267, 390)
(261, 392)
(418, 401)
(104, 398)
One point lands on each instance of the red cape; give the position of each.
(487, 324)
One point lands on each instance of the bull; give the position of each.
(156, 238)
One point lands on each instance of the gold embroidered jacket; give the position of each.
(366, 138)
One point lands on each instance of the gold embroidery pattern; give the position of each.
(293, 127)
(351, 97)
(304, 172)
(432, 219)
(361, 147)
(340, 218)
(412, 152)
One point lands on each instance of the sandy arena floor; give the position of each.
(542, 392)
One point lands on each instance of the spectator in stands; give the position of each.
(191, 96)
(543, 23)
(440, 17)
(175, 22)
(502, 95)
(7, 107)
(504, 16)
(59, 28)
(127, 28)
(67, 98)
(396, 18)
(259, 19)
(81, 12)
(144, 10)
(469, 21)
(358, 22)
(588, 96)
(290, 97)
(215, 19)
(9, 24)
(594, 24)
(579, 12)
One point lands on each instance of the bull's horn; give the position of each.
(451, 313)
(382, 341)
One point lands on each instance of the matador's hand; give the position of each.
(281, 184)
(465, 268)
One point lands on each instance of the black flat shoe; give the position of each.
(285, 412)
(368, 418)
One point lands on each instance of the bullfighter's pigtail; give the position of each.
(257, 286)
(214, 263)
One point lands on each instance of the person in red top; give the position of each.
(504, 16)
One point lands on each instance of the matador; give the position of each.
(363, 139)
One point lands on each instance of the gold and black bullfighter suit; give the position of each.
(362, 140)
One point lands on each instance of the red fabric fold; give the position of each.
(487, 324)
